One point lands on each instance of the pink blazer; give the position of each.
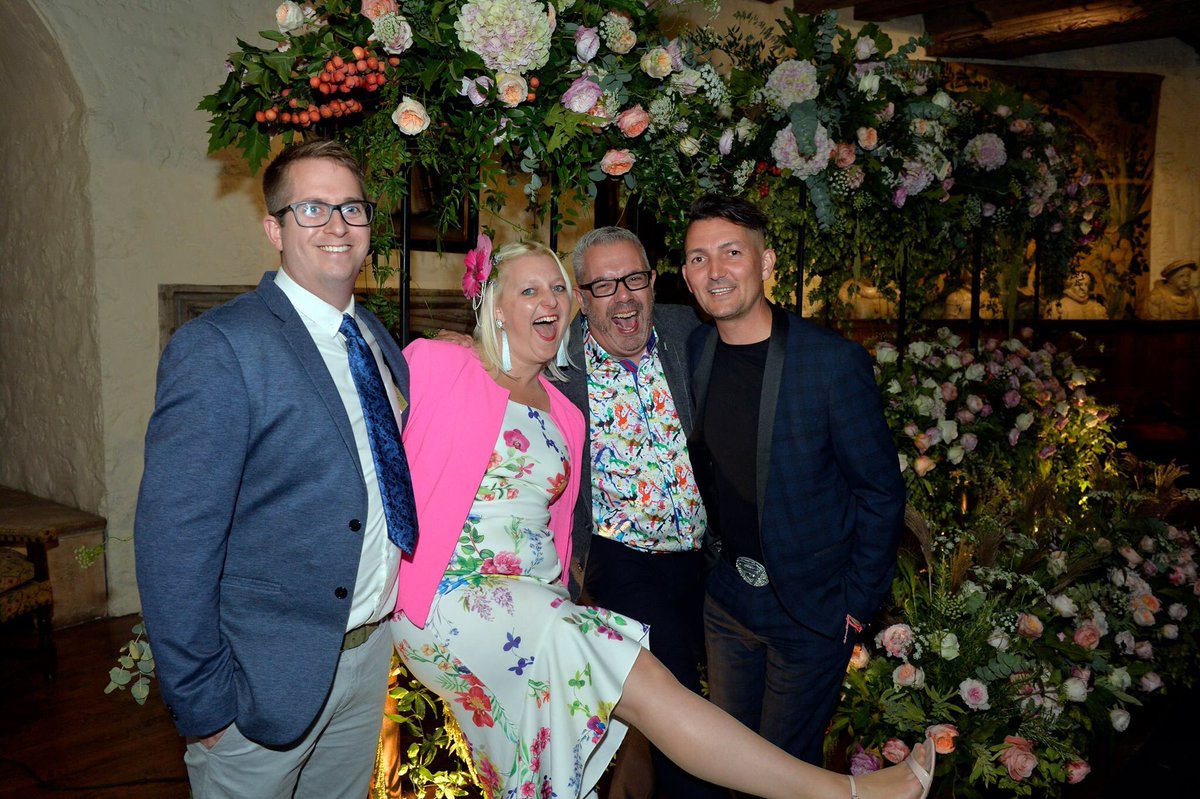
(454, 417)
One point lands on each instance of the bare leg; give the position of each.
(709, 743)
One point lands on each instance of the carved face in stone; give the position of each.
(1079, 286)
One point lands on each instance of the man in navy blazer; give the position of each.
(801, 480)
(263, 559)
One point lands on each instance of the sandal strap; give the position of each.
(853, 787)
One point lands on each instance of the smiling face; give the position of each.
(534, 303)
(324, 260)
(621, 322)
(725, 266)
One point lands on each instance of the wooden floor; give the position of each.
(71, 738)
(75, 738)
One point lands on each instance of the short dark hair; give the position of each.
(275, 185)
(731, 209)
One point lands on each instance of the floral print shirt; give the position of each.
(644, 493)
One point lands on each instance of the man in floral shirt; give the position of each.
(639, 522)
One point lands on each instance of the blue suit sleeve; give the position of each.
(196, 446)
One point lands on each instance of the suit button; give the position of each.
(340, 592)
(355, 525)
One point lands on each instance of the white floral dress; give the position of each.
(532, 677)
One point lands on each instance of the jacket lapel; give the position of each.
(769, 401)
(301, 343)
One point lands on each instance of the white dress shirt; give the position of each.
(375, 589)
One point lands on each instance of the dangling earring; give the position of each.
(562, 359)
(505, 355)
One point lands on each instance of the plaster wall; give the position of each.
(50, 420)
(116, 153)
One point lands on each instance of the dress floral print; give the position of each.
(532, 678)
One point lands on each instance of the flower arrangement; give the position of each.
(850, 144)
(1045, 597)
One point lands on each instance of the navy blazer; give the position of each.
(830, 494)
(672, 325)
(248, 521)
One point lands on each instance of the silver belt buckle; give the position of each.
(750, 570)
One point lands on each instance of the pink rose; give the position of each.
(582, 94)
(949, 391)
(587, 43)
(617, 162)
(1144, 650)
(1151, 682)
(974, 694)
(502, 563)
(1077, 770)
(895, 750)
(633, 121)
(516, 440)
(923, 465)
(1018, 758)
(374, 9)
(895, 640)
(968, 442)
(1087, 635)
(1029, 626)
(943, 736)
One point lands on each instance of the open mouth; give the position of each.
(334, 248)
(627, 322)
(546, 327)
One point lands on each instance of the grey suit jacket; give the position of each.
(248, 522)
(673, 324)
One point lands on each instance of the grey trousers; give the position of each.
(333, 761)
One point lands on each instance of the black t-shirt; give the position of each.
(730, 429)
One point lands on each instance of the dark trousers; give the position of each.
(773, 674)
(665, 591)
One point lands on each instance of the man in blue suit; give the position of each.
(801, 480)
(263, 558)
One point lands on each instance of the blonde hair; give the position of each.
(486, 332)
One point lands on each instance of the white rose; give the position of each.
(1056, 564)
(941, 100)
(1177, 611)
(1024, 421)
(949, 646)
(1074, 689)
(1119, 678)
(410, 116)
(1063, 605)
(1170, 631)
(289, 16)
(689, 146)
(999, 639)
(949, 429)
(869, 84)
(955, 454)
(1119, 719)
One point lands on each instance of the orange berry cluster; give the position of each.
(338, 76)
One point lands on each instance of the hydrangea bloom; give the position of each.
(986, 151)
(791, 82)
(509, 35)
(787, 154)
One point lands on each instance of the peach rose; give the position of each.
(656, 63)
(511, 88)
(374, 9)
(868, 138)
(907, 675)
(410, 116)
(1029, 625)
(1018, 758)
(943, 736)
(617, 162)
(633, 121)
(860, 658)
(843, 154)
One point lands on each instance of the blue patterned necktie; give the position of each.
(391, 466)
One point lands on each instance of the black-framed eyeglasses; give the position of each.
(313, 213)
(606, 287)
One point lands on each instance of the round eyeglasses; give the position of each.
(313, 213)
(606, 287)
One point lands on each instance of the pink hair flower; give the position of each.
(478, 267)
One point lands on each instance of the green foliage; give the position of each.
(435, 759)
(135, 667)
